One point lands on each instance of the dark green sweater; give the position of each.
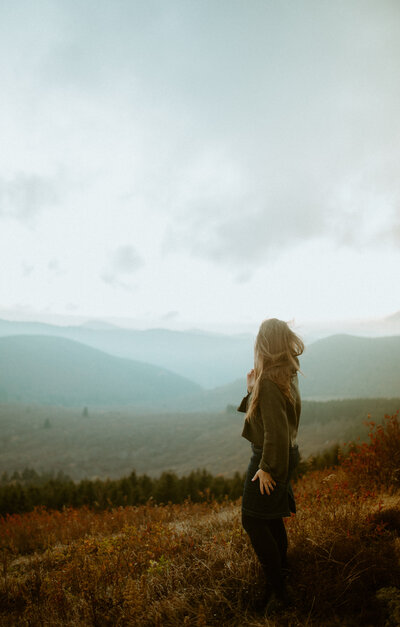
(273, 427)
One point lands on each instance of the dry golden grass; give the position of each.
(192, 564)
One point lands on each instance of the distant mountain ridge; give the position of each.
(339, 366)
(387, 326)
(59, 371)
(347, 366)
(98, 324)
(336, 367)
(209, 359)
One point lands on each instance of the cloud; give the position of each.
(71, 306)
(113, 281)
(250, 220)
(125, 261)
(54, 266)
(27, 269)
(249, 217)
(389, 236)
(24, 196)
(243, 276)
(282, 131)
(170, 315)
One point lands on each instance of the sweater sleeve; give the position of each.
(275, 455)
(243, 405)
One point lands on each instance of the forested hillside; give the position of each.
(87, 442)
(57, 371)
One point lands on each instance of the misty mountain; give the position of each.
(98, 324)
(209, 359)
(346, 366)
(339, 366)
(375, 327)
(60, 371)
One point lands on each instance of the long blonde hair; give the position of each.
(276, 352)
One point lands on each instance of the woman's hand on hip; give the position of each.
(267, 483)
(250, 380)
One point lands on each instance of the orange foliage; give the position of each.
(377, 462)
(192, 564)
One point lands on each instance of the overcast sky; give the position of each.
(200, 163)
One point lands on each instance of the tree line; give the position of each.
(21, 492)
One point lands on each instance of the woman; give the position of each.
(272, 407)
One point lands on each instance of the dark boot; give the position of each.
(279, 601)
(262, 601)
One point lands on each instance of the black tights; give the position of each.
(269, 540)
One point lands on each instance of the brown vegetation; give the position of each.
(192, 564)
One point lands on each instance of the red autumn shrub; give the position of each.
(377, 462)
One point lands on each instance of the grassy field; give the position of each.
(192, 564)
(113, 442)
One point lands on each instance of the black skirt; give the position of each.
(280, 502)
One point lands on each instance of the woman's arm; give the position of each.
(275, 455)
(250, 384)
(243, 404)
